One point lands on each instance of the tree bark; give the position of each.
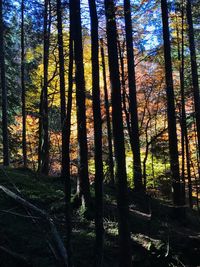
(123, 84)
(43, 150)
(184, 131)
(97, 135)
(118, 134)
(133, 98)
(195, 81)
(80, 101)
(108, 123)
(45, 119)
(173, 147)
(65, 172)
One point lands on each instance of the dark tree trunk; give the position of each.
(123, 83)
(40, 131)
(187, 151)
(80, 102)
(24, 145)
(195, 81)
(146, 154)
(6, 159)
(108, 123)
(44, 123)
(97, 135)
(118, 134)
(65, 173)
(184, 119)
(173, 147)
(133, 98)
(45, 119)
(193, 166)
(184, 132)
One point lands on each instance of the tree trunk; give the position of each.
(65, 173)
(24, 145)
(173, 147)
(97, 135)
(133, 98)
(40, 131)
(45, 119)
(6, 158)
(195, 81)
(108, 123)
(123, 83)
(43, 150)
(118, 134)
(184, 132)
(80, 102)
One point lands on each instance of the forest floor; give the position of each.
(161, 235)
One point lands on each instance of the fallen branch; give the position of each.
(18, 214)
(141, 215)
(57, 239)
(17, 257)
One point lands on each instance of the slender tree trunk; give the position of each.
(192, 164)
(184, 132)
(80, 101)
(146, 154)
(40, 131)
(97, 135)
(152, 168)
(118, 134)
(108, 123)
(144, 164)
(187, 150)
(173, 147)
(133, 98)
(65, 173)
(6, 159)
(195, 81)
(24, 145)
(44, 116)
(183, 113)
(123, 83)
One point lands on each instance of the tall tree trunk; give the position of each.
(180, 51)
(187, 150)
(193, 166)
(118, 134)
(80, 101)
(184, 132)
(6, 159)
(65, 173)
(123, 83)
(40, 130)
(108, 123)
(24, 145)
(133, 98)
(68, 123)
(97, 135)
(195, 81)
(44, 116)
(173, 147)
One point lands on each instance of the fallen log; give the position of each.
(57, 239)
(18, 258)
